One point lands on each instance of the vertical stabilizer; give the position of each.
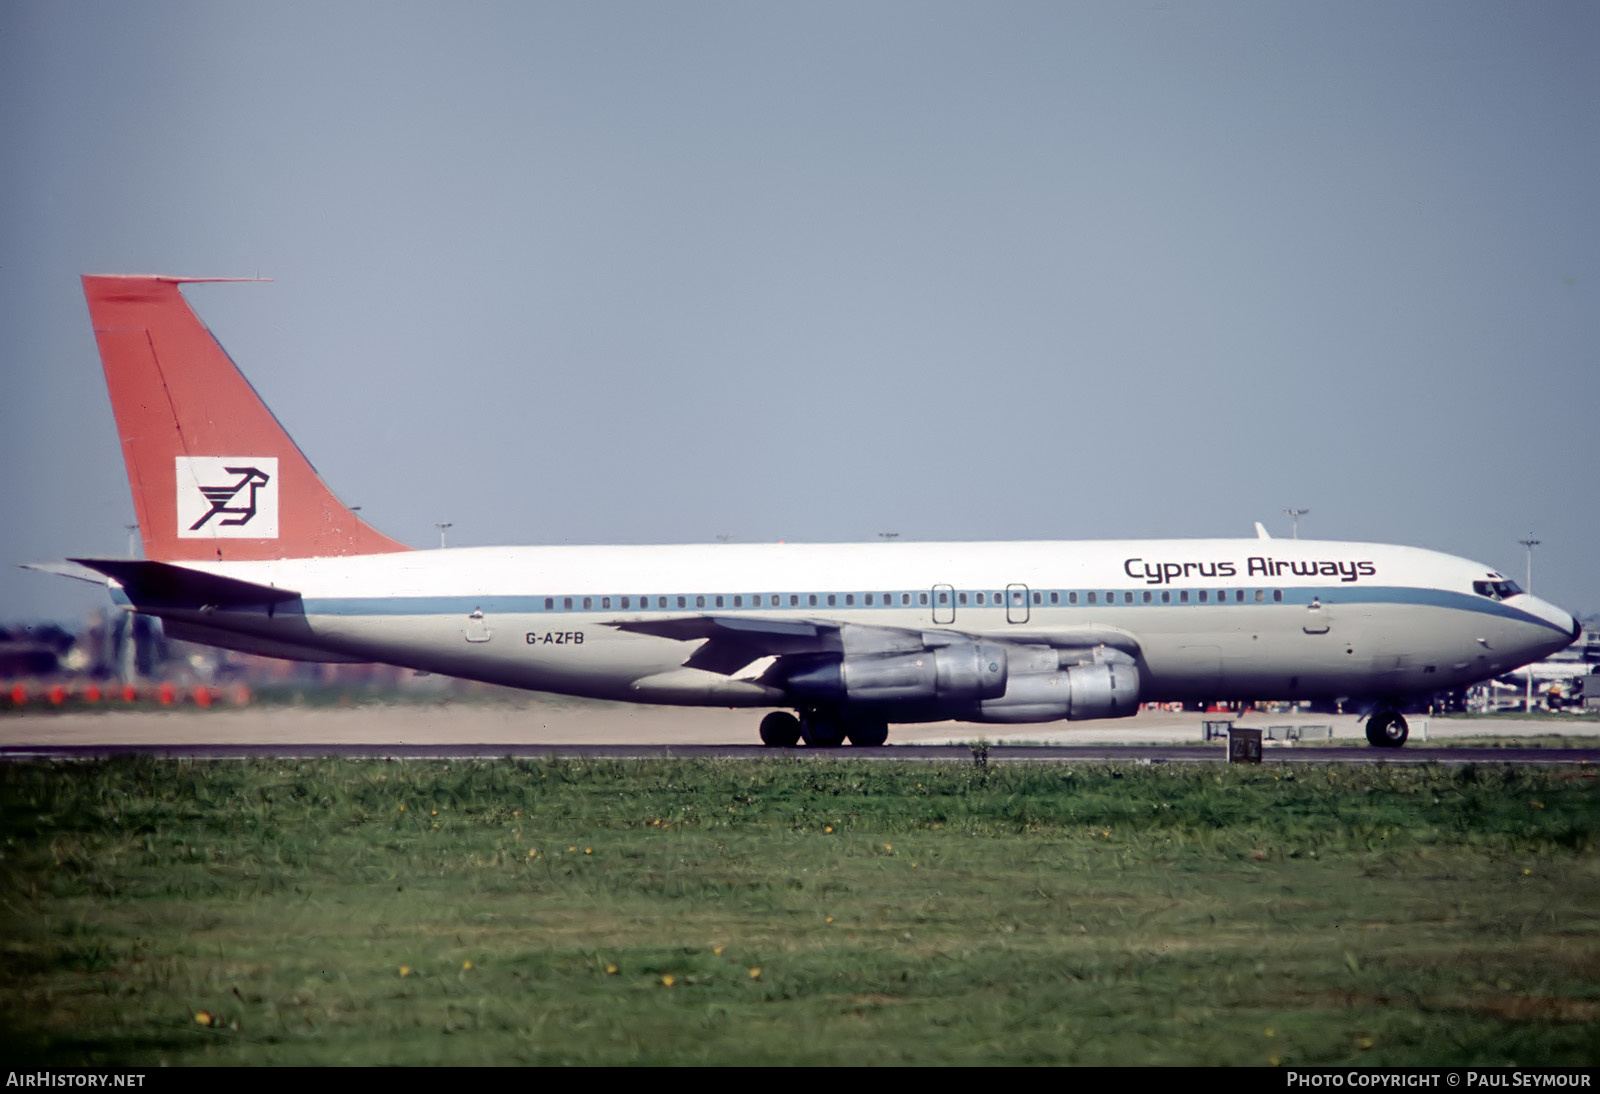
(213, 474)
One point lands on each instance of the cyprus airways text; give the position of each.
(1163, 573)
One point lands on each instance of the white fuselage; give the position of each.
(1205, 619)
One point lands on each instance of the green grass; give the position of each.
(1019, 914)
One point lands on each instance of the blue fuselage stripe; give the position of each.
(1333, 597)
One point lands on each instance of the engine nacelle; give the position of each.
(960, 673)
(1106, 690)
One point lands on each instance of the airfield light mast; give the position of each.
(442, 526)
(1295, 515)
(1530, 543)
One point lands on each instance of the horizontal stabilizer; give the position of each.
(178, 586)
(74, 570)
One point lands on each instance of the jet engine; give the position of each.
(975, 681)
(959, 673)
(1107, 689)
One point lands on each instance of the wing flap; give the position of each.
(729, 643)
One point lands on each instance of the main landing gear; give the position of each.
(1386, 729)
(822, 729)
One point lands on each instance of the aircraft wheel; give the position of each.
(1387, 729)
(821, 729)
(780, 729)
(867, 732)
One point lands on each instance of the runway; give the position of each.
(541, 728)
(1004, 754)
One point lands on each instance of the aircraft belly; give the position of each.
(567, 656)
(1292, 652)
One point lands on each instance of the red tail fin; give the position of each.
(214, 476)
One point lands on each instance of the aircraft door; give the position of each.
(944, 604)
(1318, 618)
(1017, 603)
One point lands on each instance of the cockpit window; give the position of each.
(1496, 590)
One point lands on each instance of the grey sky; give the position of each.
(596, 272)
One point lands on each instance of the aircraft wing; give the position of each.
(732, 642)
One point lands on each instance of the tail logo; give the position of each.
(227, 497)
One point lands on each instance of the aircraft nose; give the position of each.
(1554, 620)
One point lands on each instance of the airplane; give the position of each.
(247, 549)
(1544, 673)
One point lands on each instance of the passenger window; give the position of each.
(812, 600)
(566, 602)
(738, 601)
(1261, 596)
(1127, 598)
(922, 598)
(961, 598)
(850, 600)
(549, 603)
(1183, 597)
(699, 601)
(588, 602)
(1038, 598)
(1091, 598)
(682, 602)
(625, 603)
(1277, 596)
(868, 600)
(1072, 598)
(1238, 596)
(605, 602)
(1147, 596)
(1202, 596)
(1166, 596)
(1055, 598)
(833, 600)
